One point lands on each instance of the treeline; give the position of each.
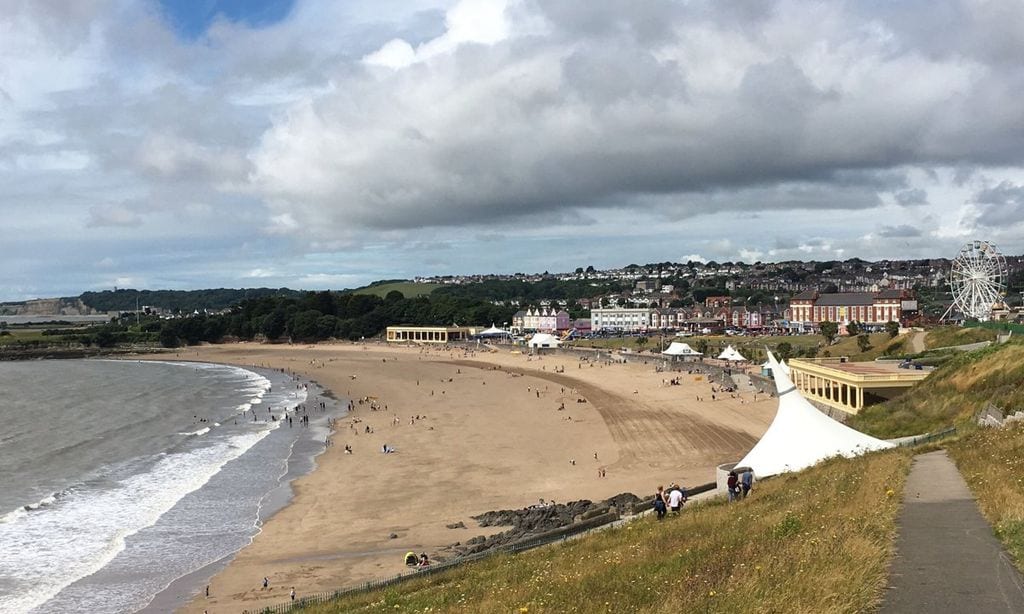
(179, 301)
(316, 316)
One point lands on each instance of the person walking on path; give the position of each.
(747, 481)
(733, 484)
(660, 507)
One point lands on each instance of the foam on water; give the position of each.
(67, 536)
(88, 529)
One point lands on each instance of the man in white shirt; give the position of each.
(675, 499)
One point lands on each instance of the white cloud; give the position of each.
(345, 130)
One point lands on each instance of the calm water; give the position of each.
(117, 477)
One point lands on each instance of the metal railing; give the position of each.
(907, 442)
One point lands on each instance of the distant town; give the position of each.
(691, 297)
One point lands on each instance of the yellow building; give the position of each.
(850, 386)
(429, 334)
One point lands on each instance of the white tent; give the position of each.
(493, 331)
(680, 349)
(801, 436)
(782, 365)
(730, 354)
(544, 340)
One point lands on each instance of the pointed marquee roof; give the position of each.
(730, 354)
(801, 436)
(680, 349)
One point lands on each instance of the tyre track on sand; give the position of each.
(642, 432)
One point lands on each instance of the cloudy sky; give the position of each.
(324, 144)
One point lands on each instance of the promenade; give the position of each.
(947, 559)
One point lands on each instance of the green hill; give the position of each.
(963, 385)
(407, 288)
(816, 541)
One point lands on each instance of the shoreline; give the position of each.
(492, 420)
(300, 461)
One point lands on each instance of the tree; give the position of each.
(864, 342)
(784, 350)
(701, 345)
(829, 330)
(852, 328)
(641, 341)
(274, 324)
(893, 328)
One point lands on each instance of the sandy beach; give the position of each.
(490, 435)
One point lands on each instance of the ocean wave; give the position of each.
(70, 536)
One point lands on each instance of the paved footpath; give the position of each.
(947, 559)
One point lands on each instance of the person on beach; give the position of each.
(266, 582)
(660, 506)
(293, 593)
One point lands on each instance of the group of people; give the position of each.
(671, 500)
(739, 485)
(411, 560)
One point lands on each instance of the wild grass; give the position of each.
(816, 541)
(992, 462)
(945, 336)
(16, 336)
(963, 385)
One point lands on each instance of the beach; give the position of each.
(472, 431)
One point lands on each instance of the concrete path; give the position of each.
(917, 342)
(947, 559)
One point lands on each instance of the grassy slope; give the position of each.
(407, 288)
(992, 462)
(817, 541)
(963, 385)
(945, 336)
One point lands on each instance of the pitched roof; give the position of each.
(845, 298)
(801, 436)
(806, 295)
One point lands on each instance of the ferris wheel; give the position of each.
(977, 279)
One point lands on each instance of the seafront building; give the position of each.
(852, 386)
(430, 334)
(621, 319)
(809, 308)
(542, 319)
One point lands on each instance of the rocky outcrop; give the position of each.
(537, 520)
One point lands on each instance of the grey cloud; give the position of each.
(562, 120)
(900, 231)
(1002, 205)
(113, 215)
(911, 198)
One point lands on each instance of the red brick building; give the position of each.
(871, 308)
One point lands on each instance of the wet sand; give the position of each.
(490, 435)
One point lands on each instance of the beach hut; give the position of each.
(680, 350)
(801, 436)
(730, 354)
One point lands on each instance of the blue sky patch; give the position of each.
(191, 18)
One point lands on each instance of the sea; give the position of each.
(118, 478)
